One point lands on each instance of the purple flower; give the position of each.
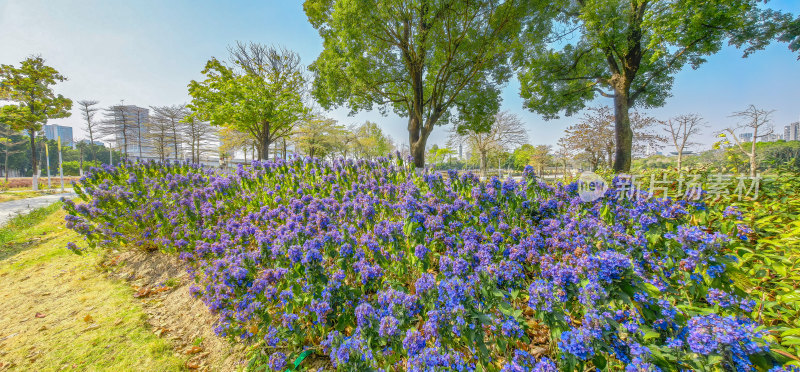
(388, 326)
(420, 251)
(277, 361)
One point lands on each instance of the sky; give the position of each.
(145, 52)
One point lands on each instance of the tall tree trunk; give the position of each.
(263, 150)
(623, 133)
(483, 163)
(34, 160)
(5, 166)
(417, 138)
(174, 138)
(752, 154)
(680, 160)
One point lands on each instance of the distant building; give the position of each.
(54, 131)
(771, 137)
(746, 137)
(792, 132)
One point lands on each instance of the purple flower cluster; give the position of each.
(381, 268)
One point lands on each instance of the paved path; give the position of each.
(11, 209)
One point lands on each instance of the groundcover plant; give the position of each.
(377, 267)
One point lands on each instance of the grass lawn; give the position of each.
(60, 312)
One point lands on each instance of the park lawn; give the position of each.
(60, 311)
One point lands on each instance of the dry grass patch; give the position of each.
(59, 312)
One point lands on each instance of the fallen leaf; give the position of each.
(43, 328)
(142, 293)
(192, 365)
(194, 350)
(88, 318)
(40, 315)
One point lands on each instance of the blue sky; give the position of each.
(146, 52)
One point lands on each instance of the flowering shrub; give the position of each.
(379, 268)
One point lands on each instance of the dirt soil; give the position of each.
(162, 285)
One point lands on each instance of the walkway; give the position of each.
(11, 209)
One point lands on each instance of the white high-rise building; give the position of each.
(792, 132)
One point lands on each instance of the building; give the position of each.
(792, 132)
(770, 137)
(746, 137)
(130, 124)
(54, 131)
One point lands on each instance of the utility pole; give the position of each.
(60, 165)
(47, 158)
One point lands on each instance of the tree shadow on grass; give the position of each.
(10, 249)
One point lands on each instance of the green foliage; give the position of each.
(791, 34)
(538, 156)
(630, 50)
(422, 60)
(72, 168)
(371, 142)
(318, 136)
(770, 257)
(29, 87)
(259, 94)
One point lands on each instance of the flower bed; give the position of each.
(376, 267)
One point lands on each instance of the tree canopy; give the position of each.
(34, 102)
(259, 93)
(424, 60)
(630, 50)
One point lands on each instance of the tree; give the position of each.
(259, 93)
(370, 141)
(316, 136)
(563, 154)
(754, 119)
(537, 156)
(139, 126)
(118, 125)
(34, 102)
(232, 140)
(88, 110)
(197, 134)
(507, 131)
(424, 60)
(160, 135)
(172, 118)
(438, 155)
(594, 136)
(630, 50)
(791, 34)
(681, 129)
(9, 141)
